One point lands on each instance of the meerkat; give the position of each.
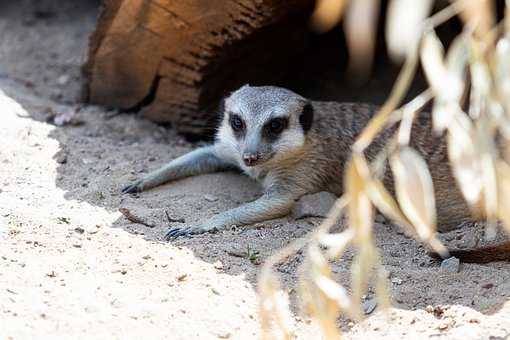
(294, 146)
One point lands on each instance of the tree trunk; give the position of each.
(174, 60)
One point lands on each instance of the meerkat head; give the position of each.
(264, 124)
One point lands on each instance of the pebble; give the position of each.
(63, 79)
(451, 265)
(61, 158)
(369, 306)
(218, 265)
(443, 326)
(223, 334)
(210, 198)
(379, 218)
(315, 205)
(396, 281)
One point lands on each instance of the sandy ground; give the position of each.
(71, 266)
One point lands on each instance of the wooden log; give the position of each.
(174, 60)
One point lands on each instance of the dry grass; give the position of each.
(476, 70)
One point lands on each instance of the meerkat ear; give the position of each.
(306, 117)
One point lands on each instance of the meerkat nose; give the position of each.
(250, 159)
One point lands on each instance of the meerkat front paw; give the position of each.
(134, 187)
(174, 233)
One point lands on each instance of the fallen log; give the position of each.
(175, 60)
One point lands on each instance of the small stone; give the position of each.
(429, 309)
(63, 79)
(451, 265)
(182, 277)
(488, 285)
(369, 306)
(116, 303)
(315, 205)
(396, 280)
(379, 218)
(218, 265)
(61, 158)
(438, 311)
(79, 230)
(443, 326)
(210, 198)
(223, 334)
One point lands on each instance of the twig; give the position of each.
(236, 253)
(133, 218)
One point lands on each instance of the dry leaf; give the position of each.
(408, 113)
(273, 306)
(432, 59)
(327, 14)
(481, 77)
(361, 35)
(503, 172)
(443, 112)
(381, 286)
(464, 158)
(479, 13)
(457, 60)
(414, 190)
(360, 211)
(404, 25)
(445, 76)
(361, 268)
(360, 217)
(501, 72)
(326, 299)
(336, 243)
(383, 201)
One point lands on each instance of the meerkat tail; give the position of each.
(498, 252)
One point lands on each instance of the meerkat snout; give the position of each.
(251, 159)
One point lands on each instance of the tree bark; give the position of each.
(174, 60)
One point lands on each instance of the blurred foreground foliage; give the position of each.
(469, 85)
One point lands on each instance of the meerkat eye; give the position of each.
(236, 123)
(276, 126)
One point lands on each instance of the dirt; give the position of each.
(72, 266)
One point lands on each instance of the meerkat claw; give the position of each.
(174, 233)
(131, 189)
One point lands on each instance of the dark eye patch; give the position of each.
(275, 127)
(236, 123)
